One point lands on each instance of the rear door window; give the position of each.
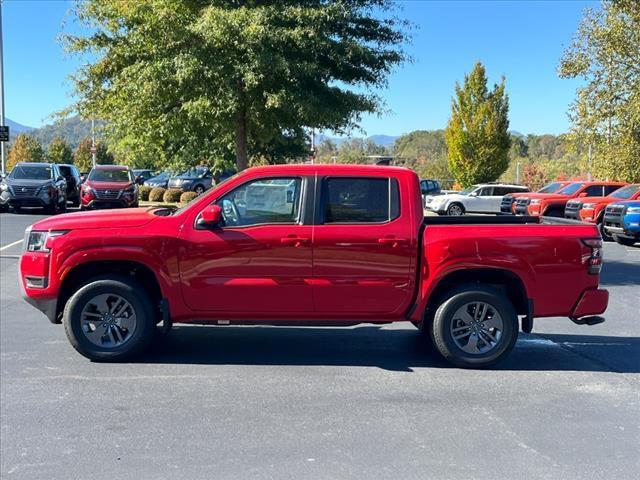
(360, 200)
(594, 191)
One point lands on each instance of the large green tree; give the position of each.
(477, 134)
(605, 53)
(25, 149)
(59, 151)
(83, 159)
(194, 80)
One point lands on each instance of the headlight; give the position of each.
(535, 201)
(130, 190)
(633, 209)
(36, 241)
(589, 205)
(3, 187)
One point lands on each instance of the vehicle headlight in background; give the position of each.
(3, 187)
(589, 205)
(633, 209)
(535, 201)
(37, 240)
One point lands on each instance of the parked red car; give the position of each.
(310, 245)
(508, 204)
(591, 209)
(553, 204)
(109, 186)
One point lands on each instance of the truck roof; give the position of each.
(328, 169)
(111, 167)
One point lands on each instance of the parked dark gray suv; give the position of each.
(34, 185)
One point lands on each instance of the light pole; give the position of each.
(2, 120)
(93, 142)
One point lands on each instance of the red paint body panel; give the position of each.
(339, 272)
(592, 302)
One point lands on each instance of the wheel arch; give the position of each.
(502, 280)
(83, 273)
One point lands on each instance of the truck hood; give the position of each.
(27, 182)
(546, 196)
(595, 199)
(122, 218)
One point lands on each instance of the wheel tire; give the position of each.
(129, 290)
(455, 209)
(554, 212)
(603, 233)
(444, 316)
(627, 242)
(199, 189)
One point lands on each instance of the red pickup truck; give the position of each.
(310, 245)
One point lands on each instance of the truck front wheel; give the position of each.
(109, 319)
(475, 327)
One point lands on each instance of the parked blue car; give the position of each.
(622, 221)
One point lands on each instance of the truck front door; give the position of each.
(259, 262)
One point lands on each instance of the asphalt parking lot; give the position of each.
(361, 402)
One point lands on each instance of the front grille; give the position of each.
(614, 209)
(20, 191)
(107, 194)
(507, 203)
(573, 206)
(523, 201)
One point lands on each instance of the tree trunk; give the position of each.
(242, 160)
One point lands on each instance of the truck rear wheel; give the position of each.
(109, 319)
(475, 327)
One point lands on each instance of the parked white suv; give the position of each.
(483, 198)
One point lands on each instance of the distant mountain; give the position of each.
(15, 128)
(73, 130)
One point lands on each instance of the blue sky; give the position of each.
(522, 40)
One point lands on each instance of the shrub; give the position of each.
(172, 195)
(157, 194)
(144, 191)
(186, 197)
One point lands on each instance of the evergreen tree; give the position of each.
(59, 151)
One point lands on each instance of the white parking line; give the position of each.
(10, 245)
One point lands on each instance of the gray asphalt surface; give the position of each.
(320, 403)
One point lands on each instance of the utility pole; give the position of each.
(93, 142)
(2, 119)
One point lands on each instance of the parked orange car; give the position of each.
(591, 209)
(552, 204)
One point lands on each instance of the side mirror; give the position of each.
(473, 194)
(211, 216)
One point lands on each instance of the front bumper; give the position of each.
(46, 305)
(6, 199)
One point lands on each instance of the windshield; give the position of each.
(31, 172)
(467, 191)
(161, 176)
(552, 187)
(194, 172)
(571, 189)
(110, 176)
(626, 192)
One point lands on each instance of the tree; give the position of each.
(187, 81)
(605, 53)
(25, 149)
(59, 151)
(82, 156)
(534, 177)
(477, 134)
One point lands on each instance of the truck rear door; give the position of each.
(364, 247)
